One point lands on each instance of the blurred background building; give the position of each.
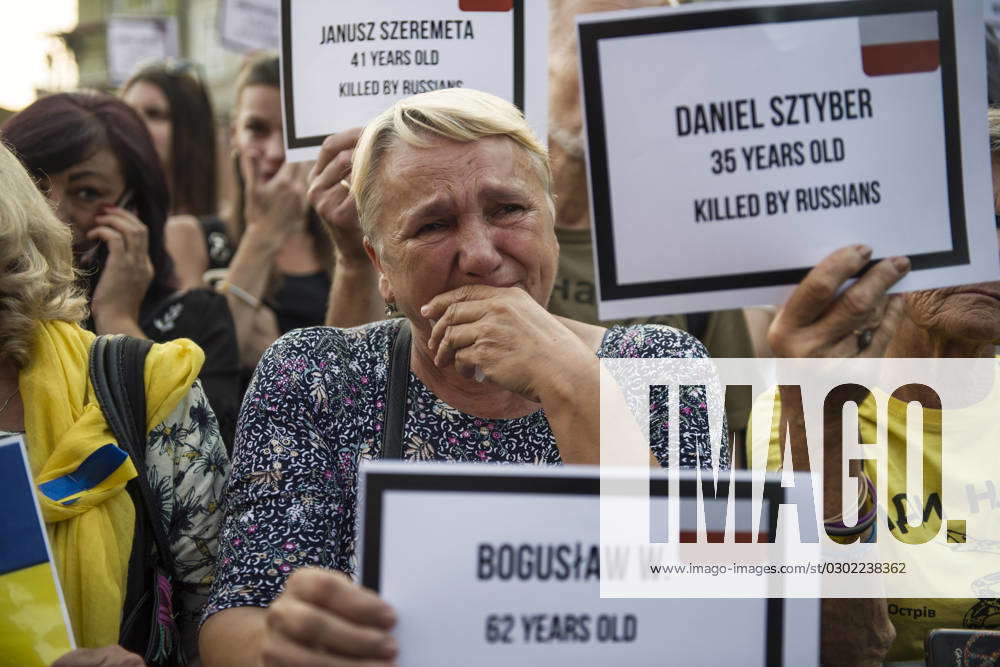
(58, 45)
(199, 40)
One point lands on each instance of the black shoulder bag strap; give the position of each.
(117, 365)
(395, 393)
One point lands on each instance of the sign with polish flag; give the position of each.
(731, 146)
(343, 62)
(900, 43)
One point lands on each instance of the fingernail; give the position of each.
(424, 310)
(389, 647)
(864, 251)
(389, 618)
(902, 264)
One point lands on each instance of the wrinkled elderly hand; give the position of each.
(507, 336)
(328, 194)
(106, 656)
(323, 618)
(816, 321)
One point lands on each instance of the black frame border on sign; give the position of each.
(295, 141)
(590, 34)
(377, 483)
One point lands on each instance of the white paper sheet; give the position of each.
(730, 150)
(345, 62)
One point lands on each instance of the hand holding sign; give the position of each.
(817, 322)
(802, 144)
(322, 616)
(329, 195)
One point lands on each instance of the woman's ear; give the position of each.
(384, 287)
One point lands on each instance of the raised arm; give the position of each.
(127, 272)
(816, 321)
(186, 244)
(274, 210)
(354, 297)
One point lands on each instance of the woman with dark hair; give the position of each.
(91, 154)
(178, 114)
(121, 609)
(280, 276)
(175, 105)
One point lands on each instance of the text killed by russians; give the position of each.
(375, 87)
(799, 200)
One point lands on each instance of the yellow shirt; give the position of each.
(914, 618)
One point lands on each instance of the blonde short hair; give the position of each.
(37, 278)
(458, 114)
(993, 116)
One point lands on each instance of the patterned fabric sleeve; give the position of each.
(650, 341)
(292, 482)
(187, 467)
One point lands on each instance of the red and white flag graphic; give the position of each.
(486, 5)
(899, 43)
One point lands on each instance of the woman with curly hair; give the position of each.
(46, 396)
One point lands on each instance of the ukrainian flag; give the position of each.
(34, 625)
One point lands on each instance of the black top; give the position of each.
(217, 242)
(301, 301)
(203, 316)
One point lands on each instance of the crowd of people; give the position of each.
(444, 228)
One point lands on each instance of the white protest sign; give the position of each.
(249, 25)
(501, 565)
(731, 146)
(132, 41)
(344, 62)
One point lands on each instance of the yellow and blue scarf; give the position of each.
(81, 473)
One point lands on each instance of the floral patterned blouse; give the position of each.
(314, 410)
(186, 467)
